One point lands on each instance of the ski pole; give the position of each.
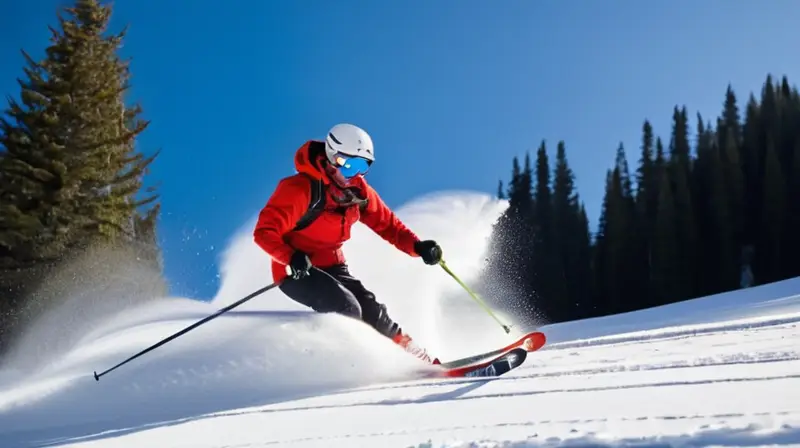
(507, 328)
(189, 328)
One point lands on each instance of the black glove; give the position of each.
(298, 266)
(430, 252)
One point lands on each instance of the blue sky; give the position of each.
(450, 91)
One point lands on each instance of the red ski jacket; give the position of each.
(322, 240)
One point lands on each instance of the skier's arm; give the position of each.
(286, 205)
(378, 217)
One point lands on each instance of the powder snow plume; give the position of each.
(426, 302)
(268, 349)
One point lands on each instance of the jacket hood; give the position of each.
(307, 160)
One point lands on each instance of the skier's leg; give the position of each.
(322, 293)
(375, 314)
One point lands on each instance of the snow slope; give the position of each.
(718, 371)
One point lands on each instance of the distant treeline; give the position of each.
(699, 216)
(74, 211)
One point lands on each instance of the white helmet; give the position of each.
(349, 140)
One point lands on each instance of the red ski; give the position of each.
(496, 362)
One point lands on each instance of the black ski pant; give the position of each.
(334, 290)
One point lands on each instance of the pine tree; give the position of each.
(569, 238)
(583, 267)
(666, 262)
(645, 219)
(769, 119)
(729, 127)
(601, 269)
(753, 169)
(679, 173)
(729, 138)
(509, 266)
(70, 147)
(620, 247)
(543, 242)
(680, 150)
(72, 179)
(734, 197)
(644, 172)
(719, 260)
(717, 193)
(769, 249)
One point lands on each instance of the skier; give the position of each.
(308, 218)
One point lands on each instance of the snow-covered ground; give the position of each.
(717, 371)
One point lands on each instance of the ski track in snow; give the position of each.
(718, 371)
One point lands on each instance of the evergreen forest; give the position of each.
(712, 207)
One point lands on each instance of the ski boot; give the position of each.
(408, 344)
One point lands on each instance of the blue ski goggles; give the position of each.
(351, 166)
